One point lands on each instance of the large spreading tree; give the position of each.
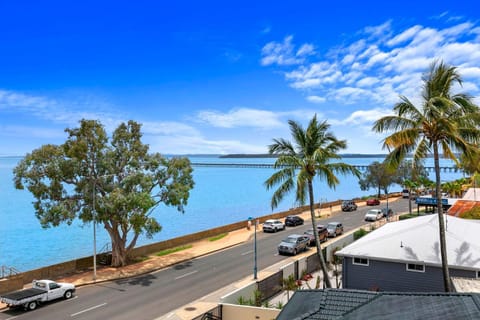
(445, 123)
(312, 154)
(378, 176)
(114, 182)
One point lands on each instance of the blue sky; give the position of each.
(222, 77)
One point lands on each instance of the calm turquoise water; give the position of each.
(221, 196)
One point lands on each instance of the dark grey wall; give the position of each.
(390, 276)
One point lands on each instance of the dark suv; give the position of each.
(293, 221)
(349, 205)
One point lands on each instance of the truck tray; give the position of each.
(22, 294)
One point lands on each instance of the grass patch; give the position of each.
(172, 250)
(407, 216)
(140, 259)
(218, 237)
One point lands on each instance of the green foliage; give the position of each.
(279, 305)
(473, 213)
(242, 301)
(379, 176)
(113, 181)
(218, 237)
(256, 301)
(172, 250)
(406, 216)
(257, 298)
(359, 233)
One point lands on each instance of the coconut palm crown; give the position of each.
(298, 163)
(444, 123)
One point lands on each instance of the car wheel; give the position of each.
(31, 306)
(68, 294)
(275, 229)
(294, 252)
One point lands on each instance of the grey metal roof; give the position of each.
(357, 304)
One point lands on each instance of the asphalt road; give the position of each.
(152, 295)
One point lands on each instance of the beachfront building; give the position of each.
(405, 255)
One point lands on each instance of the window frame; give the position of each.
(415, 270)
(360, 263)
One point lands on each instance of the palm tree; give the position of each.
(299, 163)
(444, 122)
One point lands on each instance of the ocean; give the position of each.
(222, 195)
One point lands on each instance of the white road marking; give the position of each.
(248, 252)
(12, 318)
(186, 275)
(89, 309)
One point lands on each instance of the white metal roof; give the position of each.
(417, 240)
(472, 194)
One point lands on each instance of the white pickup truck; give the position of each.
(41, 291)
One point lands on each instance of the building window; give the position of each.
(478, 274)
(415, 267)
(360, 261)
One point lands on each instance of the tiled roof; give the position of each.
(462, 206)
(357, 304)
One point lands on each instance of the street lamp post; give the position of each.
(94, 235)
(255, 252)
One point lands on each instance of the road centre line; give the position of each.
(186, 275)
(248, 252)
(89, 309)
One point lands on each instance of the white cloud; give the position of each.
(31, 131)
(305, 50)
(283, 53)
(380, 63)
(367, 116)
(316, 99)
(404, 36)
(367, 82)
(242, 117)
(380, 30)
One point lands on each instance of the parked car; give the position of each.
(349, 205)
(273, 225)
(405, 193)
(334, 229)
(293, 244)
(384, 212)
(292, 221)
(373, 215)
(322, 235)
(373, 202)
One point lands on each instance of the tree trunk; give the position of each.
(323, 265)
(119, 252)
(441, 221)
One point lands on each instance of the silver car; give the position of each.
(293, 244)
(334, 229)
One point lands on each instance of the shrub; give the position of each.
(359, 233)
